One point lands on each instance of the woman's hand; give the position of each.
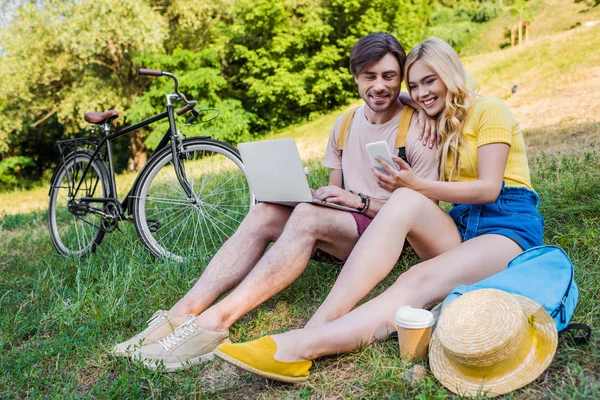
(428, 129)
(397, 178)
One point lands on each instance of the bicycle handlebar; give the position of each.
(157, 72)
(152, 72)
(191, 104)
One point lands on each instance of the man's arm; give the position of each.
(428, 130)
(336, 178)
(334, 193)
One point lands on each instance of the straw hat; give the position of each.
(491, 342)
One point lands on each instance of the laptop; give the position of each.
(276, 175)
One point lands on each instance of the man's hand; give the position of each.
(404, 177)
(428, 128)
(337, 195)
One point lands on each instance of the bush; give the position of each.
(486, 12)
(12, 170)
(457, 34)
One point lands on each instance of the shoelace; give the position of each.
(156, 319)
(183, 331)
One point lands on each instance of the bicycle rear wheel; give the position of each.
(174, 226)
(74, 229)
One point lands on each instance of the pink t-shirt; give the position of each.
(354, 160)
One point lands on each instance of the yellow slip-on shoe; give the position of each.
(258, 357)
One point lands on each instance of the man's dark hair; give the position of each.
(372, 48)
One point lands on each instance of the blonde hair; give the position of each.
(441, 58)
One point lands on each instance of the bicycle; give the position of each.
(190, 196)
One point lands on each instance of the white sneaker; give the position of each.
(160, 325)
(187, 345)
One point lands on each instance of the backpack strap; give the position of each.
(345, 127)
(405, 118)
(580, 334)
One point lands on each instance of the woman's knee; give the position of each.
(418, 285)
(405, 203)
(407, 198)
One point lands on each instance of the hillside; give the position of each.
(547, 17)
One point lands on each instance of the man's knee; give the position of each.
(264, 220)
(308, 218)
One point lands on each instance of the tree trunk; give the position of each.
(139, 154)
(512, 36)
(520, 31)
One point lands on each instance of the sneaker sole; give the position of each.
(246, 367)
(180, 366)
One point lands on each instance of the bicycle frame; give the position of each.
(170, 135)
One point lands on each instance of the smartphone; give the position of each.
(382, 150)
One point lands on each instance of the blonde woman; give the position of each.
(484, 174)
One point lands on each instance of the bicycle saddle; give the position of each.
(100, 117)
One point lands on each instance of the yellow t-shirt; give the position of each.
(490, 121)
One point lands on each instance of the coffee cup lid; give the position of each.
(413, 318)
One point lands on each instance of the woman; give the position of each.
(484, 174)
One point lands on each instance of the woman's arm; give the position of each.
(492, 160)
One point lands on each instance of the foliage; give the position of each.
(63, 60)
(589, 3)
(457, 34)
(66, 60)
(11, 168)
(265, 64)
(458, 22)
(486, 12)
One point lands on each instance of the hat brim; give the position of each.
(538, 358)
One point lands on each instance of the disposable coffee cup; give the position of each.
(414, 332)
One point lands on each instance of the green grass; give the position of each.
(60, 316)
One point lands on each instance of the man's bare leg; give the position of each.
(308, 227)
(234, 260)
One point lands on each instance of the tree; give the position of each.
(264, 63)
(69, 57)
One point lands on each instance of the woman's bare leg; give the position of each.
(407, 215)
(425, 283)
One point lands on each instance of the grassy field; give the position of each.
(59, 317)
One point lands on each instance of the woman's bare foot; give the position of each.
(291, 346)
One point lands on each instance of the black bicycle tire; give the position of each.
(150, 170)
(103, 173)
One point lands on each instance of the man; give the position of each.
(194, 327)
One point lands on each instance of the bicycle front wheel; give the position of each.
(176, 226)
(74, 228)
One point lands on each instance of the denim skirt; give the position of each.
(514, 214)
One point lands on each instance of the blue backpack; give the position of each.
(544, 274)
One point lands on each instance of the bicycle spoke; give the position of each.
(165, 200)
(215, 177)
(218, 229)
(76, 233)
